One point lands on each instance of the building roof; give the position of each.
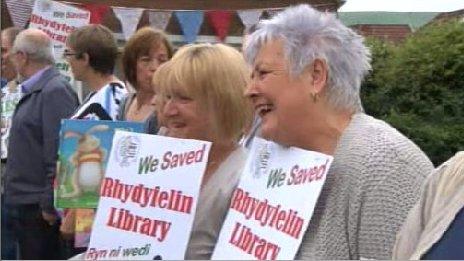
(450, 15)
(415, 20)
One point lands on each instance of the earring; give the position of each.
(315, 96)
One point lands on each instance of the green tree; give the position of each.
(418, 87)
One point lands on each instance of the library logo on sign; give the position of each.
(127, 150)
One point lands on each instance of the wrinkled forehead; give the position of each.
(271, 53)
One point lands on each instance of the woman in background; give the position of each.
(145, 51)
(91, 52)
(200, 96)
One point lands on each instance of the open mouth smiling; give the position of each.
(263, 109)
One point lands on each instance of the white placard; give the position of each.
(271, 208)
(148, 197)
(58, 20)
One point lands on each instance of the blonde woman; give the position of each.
(201, 97)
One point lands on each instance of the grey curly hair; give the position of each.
(308, 34)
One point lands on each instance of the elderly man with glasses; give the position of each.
(33, 143)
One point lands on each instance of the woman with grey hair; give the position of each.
(307, 71)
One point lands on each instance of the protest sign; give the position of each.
(271, 208)
(9, 98)
(82, 159)
(148, 197)
(58, 20)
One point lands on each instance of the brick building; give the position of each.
(391, 26)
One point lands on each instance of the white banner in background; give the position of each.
(148, 197)
(271, 208)
(58, 20)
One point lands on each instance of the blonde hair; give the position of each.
(214, 75)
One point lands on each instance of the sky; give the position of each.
(402, 5)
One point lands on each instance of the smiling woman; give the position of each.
(200, 96)
(307, 72)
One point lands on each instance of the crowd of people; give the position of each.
(297, 83)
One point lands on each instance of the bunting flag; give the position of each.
(190, 22)
(220, 20)
(129, 18)
(97, 12)
(249, 17)
(20, 11)
(159, 19)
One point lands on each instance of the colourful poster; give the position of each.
(271, 208)
(84, 221)
(82, 160)
(148, 198)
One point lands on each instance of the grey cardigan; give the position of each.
(373, 182)
(33, 142)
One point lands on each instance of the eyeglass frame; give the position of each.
(67, 54)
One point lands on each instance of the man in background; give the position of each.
(10, 96)
(33, 144)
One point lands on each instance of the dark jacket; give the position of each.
(33, 142)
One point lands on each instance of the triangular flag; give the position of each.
(129, 18)
(97, 12)
(249, 17)
(220, 20)
(190, 22)
(20, 11)
(159, 19)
